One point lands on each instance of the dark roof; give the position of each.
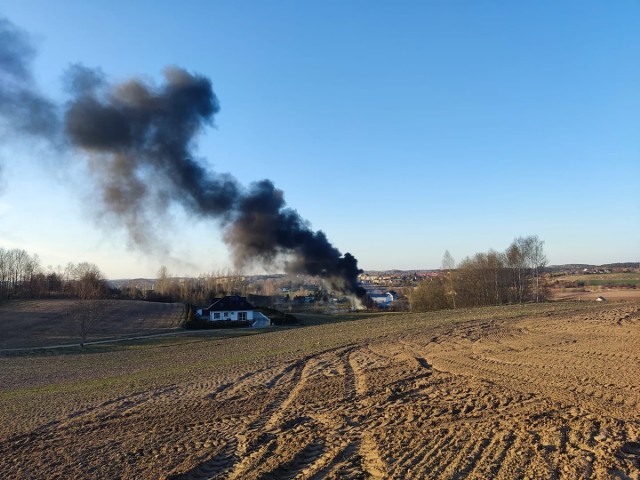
(232, 302)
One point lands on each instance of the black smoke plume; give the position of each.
(24, 112)
(23, 109)
(265, 228)
(140, 139)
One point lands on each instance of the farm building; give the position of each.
(384, 299)
(232, 307)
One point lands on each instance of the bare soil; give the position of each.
(540, 391)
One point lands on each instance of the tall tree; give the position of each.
(163, 281)
(17, 270)
(538, 261)
(526, 259)
(517, 262)
(448, 264)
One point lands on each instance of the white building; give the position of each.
(230, 308)
(384, 299)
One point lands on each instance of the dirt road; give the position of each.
(545, 396)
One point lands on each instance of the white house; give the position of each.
(232, 307)
(384, 299)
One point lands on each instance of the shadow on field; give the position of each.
(313, 319)
(33, 324)
(70, 350)
(181, 338)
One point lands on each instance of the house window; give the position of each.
(216, 316)
(226, 314)
(242, 315)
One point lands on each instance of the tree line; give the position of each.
(491, 278)
(17, 270)
(22, 276)
(191, 290)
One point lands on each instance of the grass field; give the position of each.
(534, 391)
(41, 323)
(615, 279)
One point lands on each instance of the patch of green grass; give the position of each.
(118, 345)
(610, 278)
(71, 350)
(614, 282)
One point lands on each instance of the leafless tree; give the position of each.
(526, 260)
(226, 282)
(448, 264)
(429, 295)
(495, 278)
(538, 260)
(18, 270)
(517, 263)
(163, 281)
(89, 287)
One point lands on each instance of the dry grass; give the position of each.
(537, 391)
(590, 294)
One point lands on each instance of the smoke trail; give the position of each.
(23, 110)
(140, 139)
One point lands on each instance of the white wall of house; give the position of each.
(231, 315)
(383, 298)
(379, 299)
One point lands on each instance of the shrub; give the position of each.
(429, 295)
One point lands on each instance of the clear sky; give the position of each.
(400, 129)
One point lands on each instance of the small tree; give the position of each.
(88, 287)
(189, 316)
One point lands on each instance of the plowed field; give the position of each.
(550, 391)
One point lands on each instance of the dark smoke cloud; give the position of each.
(23, 110)
(265, 229)
(140, 138)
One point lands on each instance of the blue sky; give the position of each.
(400, 129)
